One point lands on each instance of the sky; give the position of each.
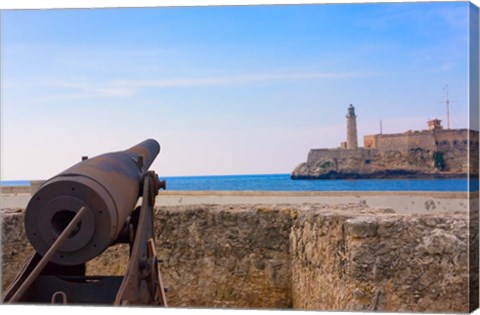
(223, 89)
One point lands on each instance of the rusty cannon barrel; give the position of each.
(108, 186)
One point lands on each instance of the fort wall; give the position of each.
(341, 257)
(406, 142)
(332, 154)
(414, 154)
(426, 153)
(378, 263)
(438, 140)
(401, 141)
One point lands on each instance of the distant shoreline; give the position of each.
(384, 174)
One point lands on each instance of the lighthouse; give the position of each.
(352, 141)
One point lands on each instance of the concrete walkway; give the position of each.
(400, 202)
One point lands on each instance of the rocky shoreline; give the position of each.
(369, 164)
(379, 174)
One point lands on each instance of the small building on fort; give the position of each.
(431, 153)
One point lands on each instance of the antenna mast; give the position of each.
(447, 102)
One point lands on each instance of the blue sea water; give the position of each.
(282, 182)
(14, 183)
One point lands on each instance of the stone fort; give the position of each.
(434, 150)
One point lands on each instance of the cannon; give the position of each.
(76, 215)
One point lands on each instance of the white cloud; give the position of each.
(82, 88)
(110, 92)
(238, 79)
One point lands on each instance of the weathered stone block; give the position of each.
(362, 227)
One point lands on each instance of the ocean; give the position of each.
(282, 182)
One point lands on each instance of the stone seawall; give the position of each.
(310, 256)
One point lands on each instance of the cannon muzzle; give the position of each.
(107, 186)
